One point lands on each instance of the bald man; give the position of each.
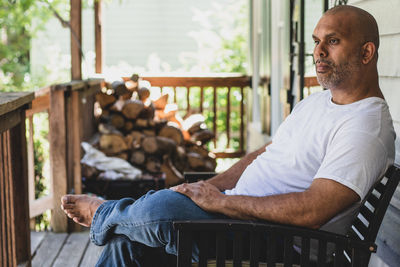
(322, 161)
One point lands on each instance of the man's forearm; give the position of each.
(310, 208)
(286, 209)
(229, 178)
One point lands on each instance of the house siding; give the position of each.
(386, 14)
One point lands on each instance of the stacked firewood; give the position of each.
(150, 134)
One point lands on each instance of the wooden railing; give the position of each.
(14, 214)
(311, 85)
(71, 120)
(190, 105)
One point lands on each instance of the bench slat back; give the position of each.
(371, 213)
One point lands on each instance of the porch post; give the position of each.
(73, 134)
(76, 39)
(98, 35)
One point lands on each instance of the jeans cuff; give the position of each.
(94, 220)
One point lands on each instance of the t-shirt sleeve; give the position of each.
(354, 159)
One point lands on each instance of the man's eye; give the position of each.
(316, 42)
(333, 41)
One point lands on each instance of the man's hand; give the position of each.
(204, 194)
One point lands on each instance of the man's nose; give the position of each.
(320, 51)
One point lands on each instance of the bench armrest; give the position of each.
(235, 230)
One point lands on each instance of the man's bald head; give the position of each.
(362, 22)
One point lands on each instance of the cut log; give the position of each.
(142, 123)
(166, 145)
(172, 132)
(157, 125)
(179, 159)
(149, 132)
(161, 102)
(134, 139)
(147, 112)
(112, 144)
(172, 175)
(149, 144)
(127, 96)
(104, 116)
(153, 165)
(196, 127)
(123, 155)
(105, 100)
(89, 172)
(129, 125)
(196, 161)
(132, 108)
(198, 149)
(210, 164)
(131, 85)
(119, 88)
(135, 77)
(138, 157)
(118, 105)
(117, 120)
(202, 136)
(94, 140)
(108, 129)
(158, 144)
(143, 94)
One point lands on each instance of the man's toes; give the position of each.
(67, 199)
(71, 215)
(68, 206)
(64, 199)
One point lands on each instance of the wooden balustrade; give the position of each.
(228, 83)
(310, 84)
(71, 121)
(14, 213)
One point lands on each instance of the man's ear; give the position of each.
(368, 52)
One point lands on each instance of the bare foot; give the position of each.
(80, 208)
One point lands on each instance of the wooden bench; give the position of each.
(254, 242)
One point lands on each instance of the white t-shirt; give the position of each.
(352, 144)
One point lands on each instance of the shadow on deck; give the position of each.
(63, 249)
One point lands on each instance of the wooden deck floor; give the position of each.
(72, 250)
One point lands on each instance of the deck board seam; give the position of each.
(39, 245)
(59, 251)
(84, 252)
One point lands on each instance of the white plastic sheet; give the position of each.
(114, 168)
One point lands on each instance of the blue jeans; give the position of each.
(125, 225)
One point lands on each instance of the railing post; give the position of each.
(58, 161)
(14, 201)
(70, 118)
(80, 125)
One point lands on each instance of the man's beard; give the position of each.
(340, 72)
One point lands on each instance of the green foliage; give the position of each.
(41, 164)
(222, 40)
(19, 21)
(222, 48)
(232, 55)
